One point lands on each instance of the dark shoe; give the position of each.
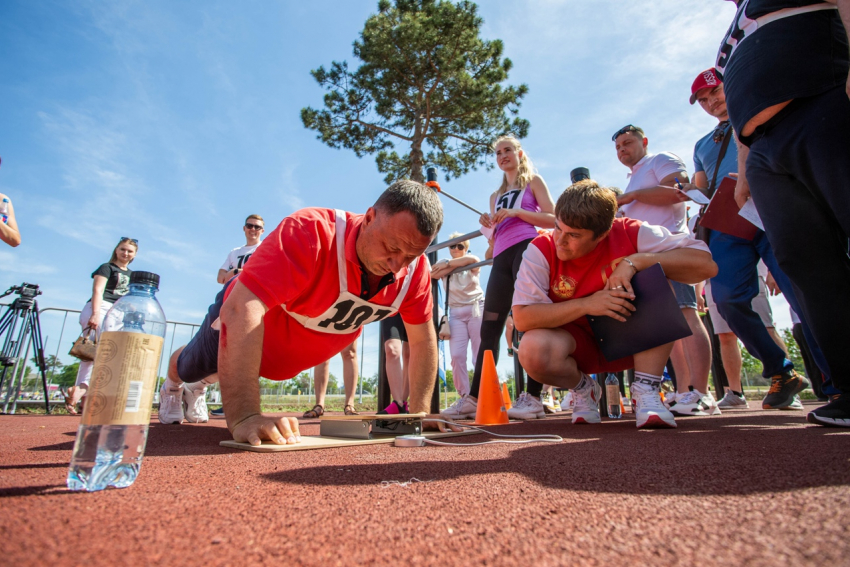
(782, 389)
(219, 411)
(834, 414)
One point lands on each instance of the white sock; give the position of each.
(648, 379)
(585, 382)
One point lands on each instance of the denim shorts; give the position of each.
(686, 295)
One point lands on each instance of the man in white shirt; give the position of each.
(254, 228)
(233, 264)
(652, 196)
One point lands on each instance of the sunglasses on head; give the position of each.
(128, 239)
(623, 130)
(457, 247)
(720, 132)
(253, 226)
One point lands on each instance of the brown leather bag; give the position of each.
(85, 347)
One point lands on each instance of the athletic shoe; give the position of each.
(794, 405)
(170, 404)
(649, 411)
(733, 401)
(689, 403)
(586, 408)
(670, 398)
(218, 412)
(782, 389)
(567, 402)
(394, 409)
(527, 407)
(464, 408)
(709, 399)
(550, 405)
(195, 402)
(834, 414)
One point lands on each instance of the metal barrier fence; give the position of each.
(54, 323)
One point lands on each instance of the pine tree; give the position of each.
(428, 82)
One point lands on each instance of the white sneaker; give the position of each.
(586, 405)
(795, 404)
(527, 407)
(688, 403)
(464, 408)
(195, 402)
(670, 398)
(649, 411)
(708, 399)
(567, 402)
(550, 403)
(733, 401)
(170, 404)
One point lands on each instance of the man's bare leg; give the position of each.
(321, 377)
(349, 372)
(777, 339)
(697, 349)
(730, 354)
(546, 354)
(681, 367)
(395, 372)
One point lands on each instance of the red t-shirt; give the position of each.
(296, 266)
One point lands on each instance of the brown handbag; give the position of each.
(85, 347)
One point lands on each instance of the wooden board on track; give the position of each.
(318, 442)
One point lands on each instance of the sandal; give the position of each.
(69, 407)
(349, 410)
(317, 411)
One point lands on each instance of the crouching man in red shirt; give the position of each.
(585, 268)
(310, 287)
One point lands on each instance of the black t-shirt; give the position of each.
(763, 64)
(117, 281)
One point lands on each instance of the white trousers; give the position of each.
(464, 327)
(84, 373)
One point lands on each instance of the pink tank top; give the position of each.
(514, 230)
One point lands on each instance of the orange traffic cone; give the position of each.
(506, 396)
(491, 406)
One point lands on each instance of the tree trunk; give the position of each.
(416, 156)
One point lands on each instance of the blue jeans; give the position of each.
(798, 170)
(735, 286)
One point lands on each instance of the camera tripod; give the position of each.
(20, 328)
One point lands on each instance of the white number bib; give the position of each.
(349, 312)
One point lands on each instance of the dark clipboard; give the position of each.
(658, 320)
(721, 214)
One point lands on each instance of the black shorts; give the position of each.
(199, 358)
(393, 328)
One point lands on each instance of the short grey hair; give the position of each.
(416, 198)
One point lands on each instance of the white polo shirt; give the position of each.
(649, 172)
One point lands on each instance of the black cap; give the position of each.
(147, 278)
(579, 174)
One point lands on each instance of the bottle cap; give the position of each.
(145, 278)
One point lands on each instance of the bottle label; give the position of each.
(123, 379)
(612, 392)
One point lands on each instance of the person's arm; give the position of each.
(225, 275)
(544, 219)
(443, 267)
(742, 186)
(97, 288)
(700, 288)
(9, 232)
(665, 193)
(700, 181)
(240, 353)
(423, 365)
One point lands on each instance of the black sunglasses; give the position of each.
(127, 238)
(457, 246)
(623, 130)
(253, 226)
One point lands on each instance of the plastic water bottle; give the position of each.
(114, 428)
(4, 210)
(612, 397)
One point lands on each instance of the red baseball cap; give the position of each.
(706, 80)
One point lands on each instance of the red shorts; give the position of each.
(587, 355)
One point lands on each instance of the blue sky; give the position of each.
(170, 122)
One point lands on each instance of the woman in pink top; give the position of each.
(521, 203)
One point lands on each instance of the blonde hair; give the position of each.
(525, 170)
(455, 235)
